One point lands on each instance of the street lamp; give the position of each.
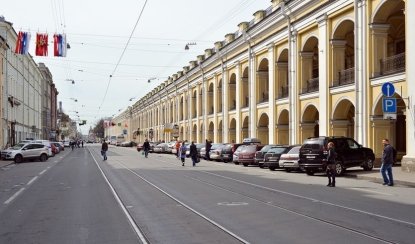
(73, 82)
(74, 99)
(189, 44)
(153, 78)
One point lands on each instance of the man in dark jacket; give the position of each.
(146, 147)
(387, 162)
(104, 149)
(208, 146)
(193, 153)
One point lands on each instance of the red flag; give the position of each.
(19, 43)
(41, 44)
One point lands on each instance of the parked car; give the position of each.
(259, 155)
(23, 151)
(48, 144)
(172, 147)
(235, 156)
(247, 154)
(199, 146)
(203, 152)
(215, 152)
(139, 147)
(313, 154)
(272, 157)
(290, 160)
(66, 143)
(58, 147)
(128, 144)
(227, 152)
(161, 148)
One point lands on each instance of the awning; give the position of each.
(168, 127)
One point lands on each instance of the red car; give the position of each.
(139, 147)
(247, 154)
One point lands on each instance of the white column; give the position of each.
(238, 103)
(225, 105)
(272, 95)
(205, 109)
(252, 94)
(189, 114)
(215, 108)
(408, 161)
(364, 84)
(324, 115)
(293, 89)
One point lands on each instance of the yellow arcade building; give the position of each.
(298, 69)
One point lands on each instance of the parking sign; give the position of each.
(389, 105)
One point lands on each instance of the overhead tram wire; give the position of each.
(122, 54)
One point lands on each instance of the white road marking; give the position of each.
(42, 172)
(32, 180)
(14, 195)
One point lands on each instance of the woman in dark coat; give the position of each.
(331, 165)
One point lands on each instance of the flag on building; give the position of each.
(59, 45)
(41, 44)
(22, 43)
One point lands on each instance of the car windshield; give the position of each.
(18, 146)
(249, 149)
(216, 146)
(294, 150)
(266, 148)
(277, 150)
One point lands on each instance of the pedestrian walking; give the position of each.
(82, 143)
(104, 149)
(146, 148)
(331, 165)
(193, 153)
(208, 146)
(387, 162)
(177, 148)
(183, 152)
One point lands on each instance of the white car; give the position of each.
(289, 161)
(46, 143)
(66, 144)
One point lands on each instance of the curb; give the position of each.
(380, 181)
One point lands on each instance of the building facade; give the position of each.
(20, 99)
(298, 69)
(49, 105)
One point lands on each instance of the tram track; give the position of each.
(269, 204)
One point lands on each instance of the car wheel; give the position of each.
(309, 172)
(18, 159)
(288, 170)
(245, 165)
(339, 168)
(261, 166)
(272, 168)
(43, 157)
(368, 164)
(236, 163)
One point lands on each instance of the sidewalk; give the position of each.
(5, 163)
(399, 177)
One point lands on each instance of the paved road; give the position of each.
(75, 201)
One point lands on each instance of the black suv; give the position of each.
(313, 154)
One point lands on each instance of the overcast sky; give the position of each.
(98, 30)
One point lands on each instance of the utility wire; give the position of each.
(122, 54)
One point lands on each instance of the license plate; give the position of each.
(311, 157)
(225, 155)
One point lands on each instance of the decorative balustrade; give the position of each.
(345, 77)
(393, 64)
(283, 92)
(311, 86)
